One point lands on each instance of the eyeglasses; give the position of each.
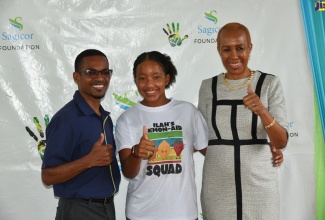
(93, 74)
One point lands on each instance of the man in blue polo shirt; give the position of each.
(79, 160)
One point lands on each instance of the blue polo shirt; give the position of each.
(71, 135)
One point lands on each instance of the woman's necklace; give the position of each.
(238, 86)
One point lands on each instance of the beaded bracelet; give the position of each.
(270, 125)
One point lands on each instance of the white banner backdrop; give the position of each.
(40, 40)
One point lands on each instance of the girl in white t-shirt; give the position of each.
(155, 139)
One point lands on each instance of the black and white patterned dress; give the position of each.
(239, 179)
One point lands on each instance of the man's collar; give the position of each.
(85, 107)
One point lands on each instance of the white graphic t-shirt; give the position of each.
(165, 186)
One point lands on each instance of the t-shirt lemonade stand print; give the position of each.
(168, 139)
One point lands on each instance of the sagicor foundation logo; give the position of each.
(16, 24)
(210, 16)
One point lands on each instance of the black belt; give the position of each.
(103, 201)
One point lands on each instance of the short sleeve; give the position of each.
(59, 143)
(276, 102)
(122, 134)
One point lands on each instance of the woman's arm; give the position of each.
(277, 134)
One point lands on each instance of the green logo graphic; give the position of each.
(16, 24)
(123, 101)
(42, 143)
(173, 36)
(211, 17)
